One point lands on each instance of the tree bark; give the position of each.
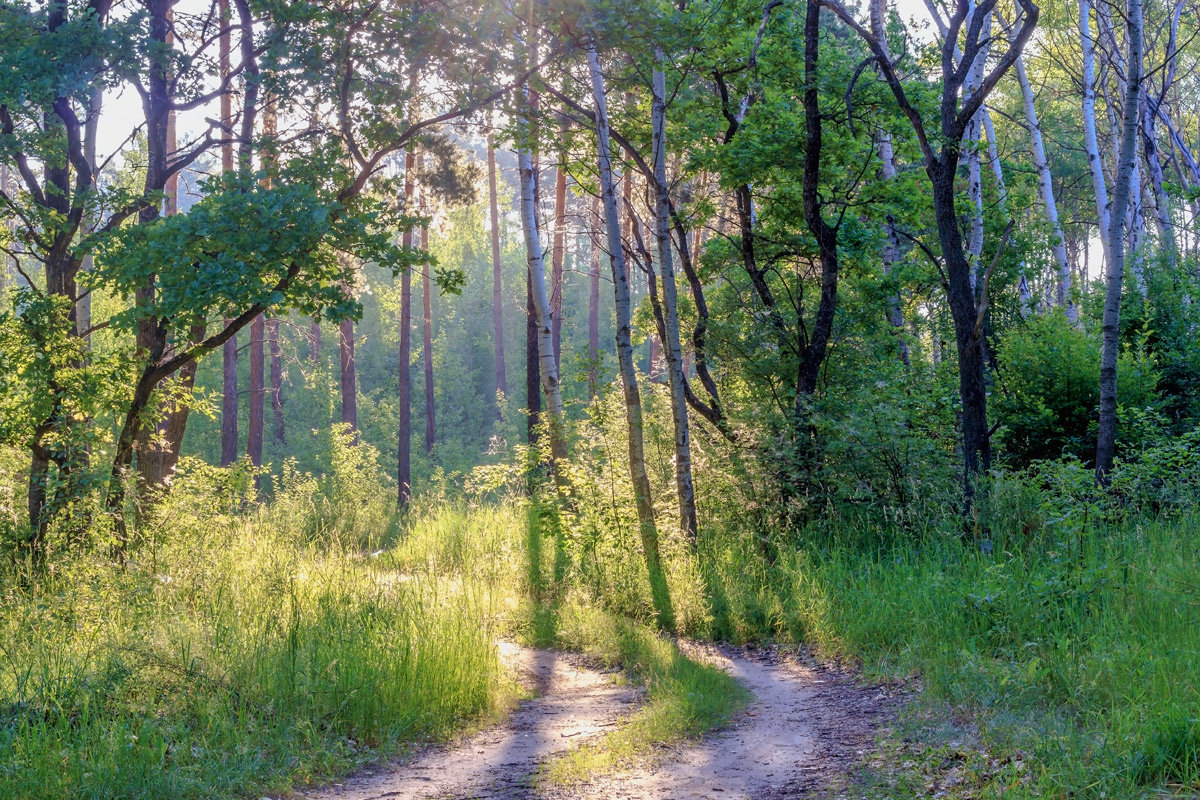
(257, 405)
(633, 402)
(348, 375)
(404, 360)
(1046, 184)
(547, 367)
(229, 350)
(276, 354)
(684, 490)
(497, 274)
(427, 346)
(887, 158)
(594, 305)
(557, 256)
(1115, 275)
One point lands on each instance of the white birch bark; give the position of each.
(887, 171)
(1037, 148)
(670, 302)
(1090, 142)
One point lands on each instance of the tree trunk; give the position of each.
(547, 368)
(255, 422)
(1115, 275)
(1037, 148)
(557, 256)
(533, 384)
(887, 158)
(229, 350)
(427, 346)
(497, 284)
(404, 360)
(314, 342)
(633, 401)
(348, 382)
(594, 305)
(674, 350)
(276, 380)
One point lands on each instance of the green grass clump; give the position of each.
(1078, 646)
(242, 661)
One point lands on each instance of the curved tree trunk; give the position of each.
(676, 379)
(633, 400)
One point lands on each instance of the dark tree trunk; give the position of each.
(1115, 276)
(229, 351)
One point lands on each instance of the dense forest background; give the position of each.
(869, 327)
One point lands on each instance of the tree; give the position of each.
(941, 156)
(1115, 275)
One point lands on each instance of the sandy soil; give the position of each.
(805, 728)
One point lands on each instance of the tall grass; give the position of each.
(238, 659)
(1079, 647)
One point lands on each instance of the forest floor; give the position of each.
(805, 730)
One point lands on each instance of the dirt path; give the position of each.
(805, 727)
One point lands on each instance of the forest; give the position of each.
(379, 374)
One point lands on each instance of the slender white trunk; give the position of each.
(551, 387)
(887, 171)
(971, 140)
(1062, 295)
(670, 302)
(1090, 142)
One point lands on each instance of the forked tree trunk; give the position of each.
(1115, 276)
(633, 400)
(497, 275)
(684, 490)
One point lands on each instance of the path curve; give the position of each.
(806, 727)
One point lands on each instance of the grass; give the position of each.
(1077, 649)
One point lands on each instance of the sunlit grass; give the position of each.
(246, 661)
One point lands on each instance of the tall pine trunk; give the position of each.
(557, 256)
(594, 304)
(427, 346)
(404, 358)
(229, 350)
